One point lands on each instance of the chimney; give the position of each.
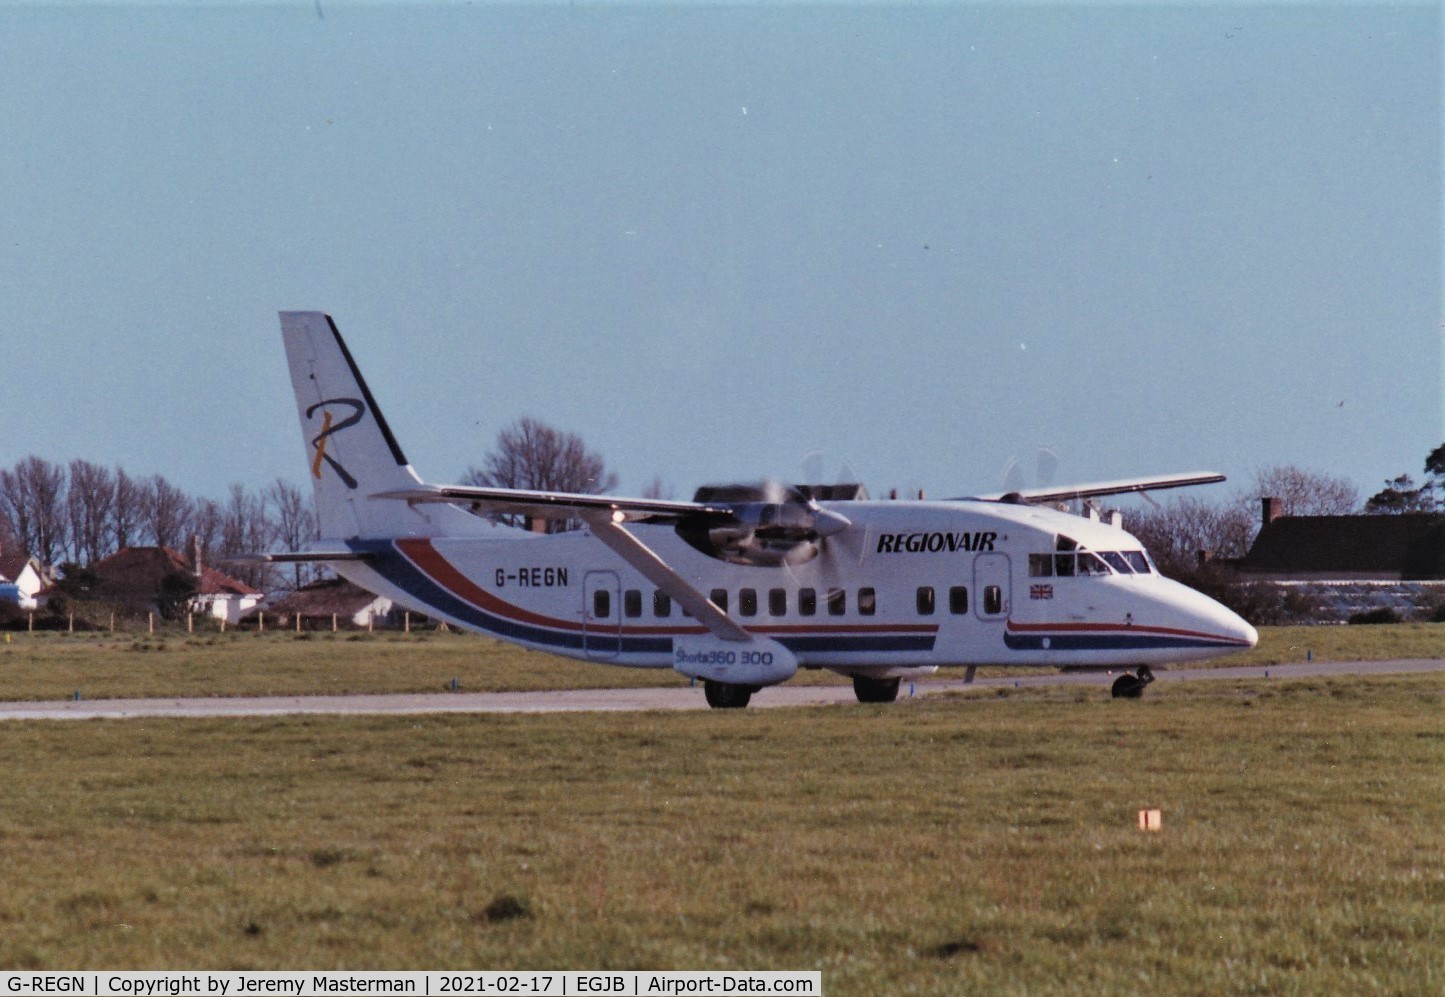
(1269, 510)
(197, 562)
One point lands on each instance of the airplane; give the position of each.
(745, 584)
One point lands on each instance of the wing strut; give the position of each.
(656, 570)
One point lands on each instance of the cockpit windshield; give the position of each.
(1073, 560)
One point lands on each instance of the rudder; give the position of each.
(351, 452)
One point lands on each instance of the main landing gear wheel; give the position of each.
(726, 695)
(875, 690)
(1128, 686)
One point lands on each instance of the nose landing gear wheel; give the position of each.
(1128, 686)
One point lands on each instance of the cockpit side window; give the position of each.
(1091, 564)
(1117, 561)
(1139, 561)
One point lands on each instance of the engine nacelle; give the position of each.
(761, 529)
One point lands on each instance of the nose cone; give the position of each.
(1217, 628)
(1239, 629)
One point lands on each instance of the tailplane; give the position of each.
(350, 450)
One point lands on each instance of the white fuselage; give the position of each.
(911, 585)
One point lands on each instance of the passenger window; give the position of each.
(837, 602)
(777, 602)
(992, 600)
(601, 604)
(748, 602)
(867, 602)
(719, 599)
(1064, 565)
(661, 604)
(807, 602)
(958, 600)
(632, 603)
(924, 600)
(1041, 565)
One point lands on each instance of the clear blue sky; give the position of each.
(713, 240)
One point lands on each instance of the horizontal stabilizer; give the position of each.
(299, 557)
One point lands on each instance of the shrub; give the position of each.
(1382, 615)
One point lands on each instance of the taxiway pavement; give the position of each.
(631, 700)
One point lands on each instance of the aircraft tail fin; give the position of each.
(350, 450)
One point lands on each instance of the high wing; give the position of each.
(559, 505)
(1098, 489)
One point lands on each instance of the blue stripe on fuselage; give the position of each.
(1104, 642)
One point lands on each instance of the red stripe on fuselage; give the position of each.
(1118, 628)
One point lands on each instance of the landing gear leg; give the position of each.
(1128, 686)
(875, 690)
(726, 695)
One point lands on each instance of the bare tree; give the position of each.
(206, 520)
(32, 500)
(165, 512)
(531, 454)
(1303, 492)
(246, 530)
(1177, 532)
(295, 522)
(128, 510)
(91, 505)
(9, 542)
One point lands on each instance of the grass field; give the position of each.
(101, 666)
(977, 844)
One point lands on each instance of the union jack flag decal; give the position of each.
(1041, 591)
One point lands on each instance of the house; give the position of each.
(329, 601)
(160, 579)
(1351, 563)
(22, 580)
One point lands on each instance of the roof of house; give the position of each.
(1410, 546)
(12, 565)
(328, 597)
(140, 570)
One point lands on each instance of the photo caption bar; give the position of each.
(542, 983)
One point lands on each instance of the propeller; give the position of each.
(1046, 465)
(768, 524)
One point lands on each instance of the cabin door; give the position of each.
(601, 616)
